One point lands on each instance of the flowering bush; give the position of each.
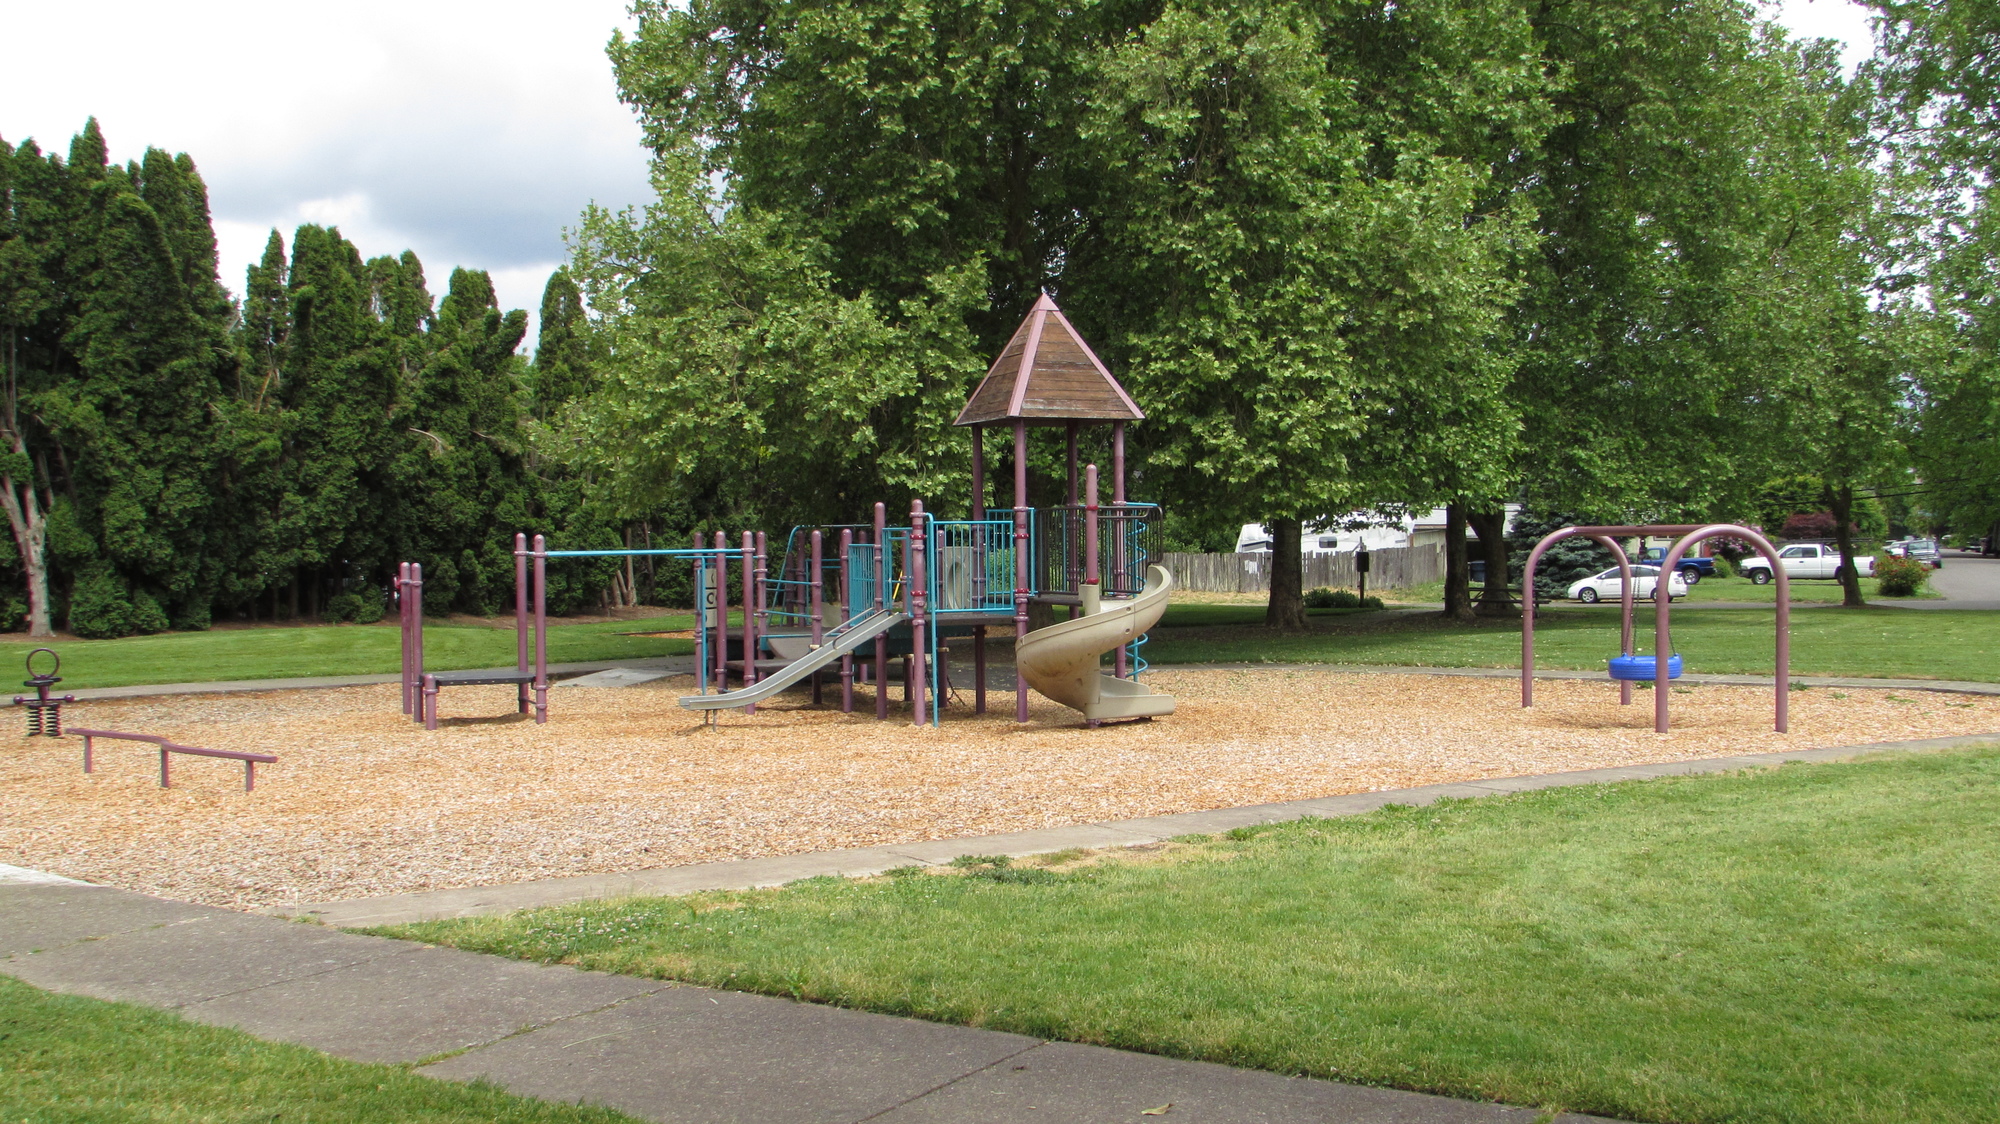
(1900, 577)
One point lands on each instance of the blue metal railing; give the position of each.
(971, 566)
(1136, 541)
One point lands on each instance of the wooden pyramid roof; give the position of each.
(1046, 375)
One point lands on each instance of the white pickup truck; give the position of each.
(1804, 560)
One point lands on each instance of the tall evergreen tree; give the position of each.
(562, 372)
(119, 352)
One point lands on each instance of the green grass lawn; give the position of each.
(1743, 589)
(1893, 643)
(68, 1060)
(277, 653)
(1812, 945)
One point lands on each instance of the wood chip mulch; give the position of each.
(363, 802)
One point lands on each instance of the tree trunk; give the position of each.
(31, 536)
(1840, 503)
(26, 514)
(1457, 574)
(1491, 527)
(1287, 608)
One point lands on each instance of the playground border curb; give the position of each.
(1863, 683)
(323, 682)
(672, 663)
(757, 873)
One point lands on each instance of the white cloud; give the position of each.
(1840, 20)
(472, 133)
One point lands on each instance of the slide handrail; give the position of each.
(840, 642)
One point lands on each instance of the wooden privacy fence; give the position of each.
(1395, 568)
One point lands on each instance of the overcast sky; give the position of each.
(472, 133)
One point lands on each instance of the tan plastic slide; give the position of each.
(1061, 661)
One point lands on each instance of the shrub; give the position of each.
(363, 606)
(104, 607)
(1900, 577)
(1371, 602)
(1332, 599)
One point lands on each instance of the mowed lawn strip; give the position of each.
(1882, 643)
(1809, 944)
(68, 1060)
(283, 653)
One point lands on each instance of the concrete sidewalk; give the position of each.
(659, 1051)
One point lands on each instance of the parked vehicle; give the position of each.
(1804, 560)
(1690, 568)
(1607, 587)
(1923, 550)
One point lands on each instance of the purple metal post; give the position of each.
(918, 597)
(541, 632)
(881, 603)
(402, 625)
(1662, 637)
(521, 617)
(1120, 565)
(979, 472)
(763, 598)
(1020, 563)
(1090, 569)
(429, 702)
(700, 620)
(818, 633)
(1071, 437)
(417, 631)
(1118, 464)
(909, 610)
(979, 547)
(846, 603)
(749, 613)
(721, 612)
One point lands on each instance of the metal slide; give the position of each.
(840, 642)
(1061, 661)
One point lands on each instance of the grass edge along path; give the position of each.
(66, 1058)
(1814, 943)
(1962, 645)
(222, 655)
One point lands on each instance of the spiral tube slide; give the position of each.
(1061, 661)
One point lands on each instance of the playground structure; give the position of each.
(44, 713)
(900, 593)
(1663, 665)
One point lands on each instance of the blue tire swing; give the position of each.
(1640, 668)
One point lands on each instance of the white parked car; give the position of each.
(1607, 587)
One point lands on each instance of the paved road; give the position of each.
(1968, 577)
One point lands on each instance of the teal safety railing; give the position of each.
(1138, 550)
(971, 566)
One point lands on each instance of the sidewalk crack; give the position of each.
(941, 1086)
